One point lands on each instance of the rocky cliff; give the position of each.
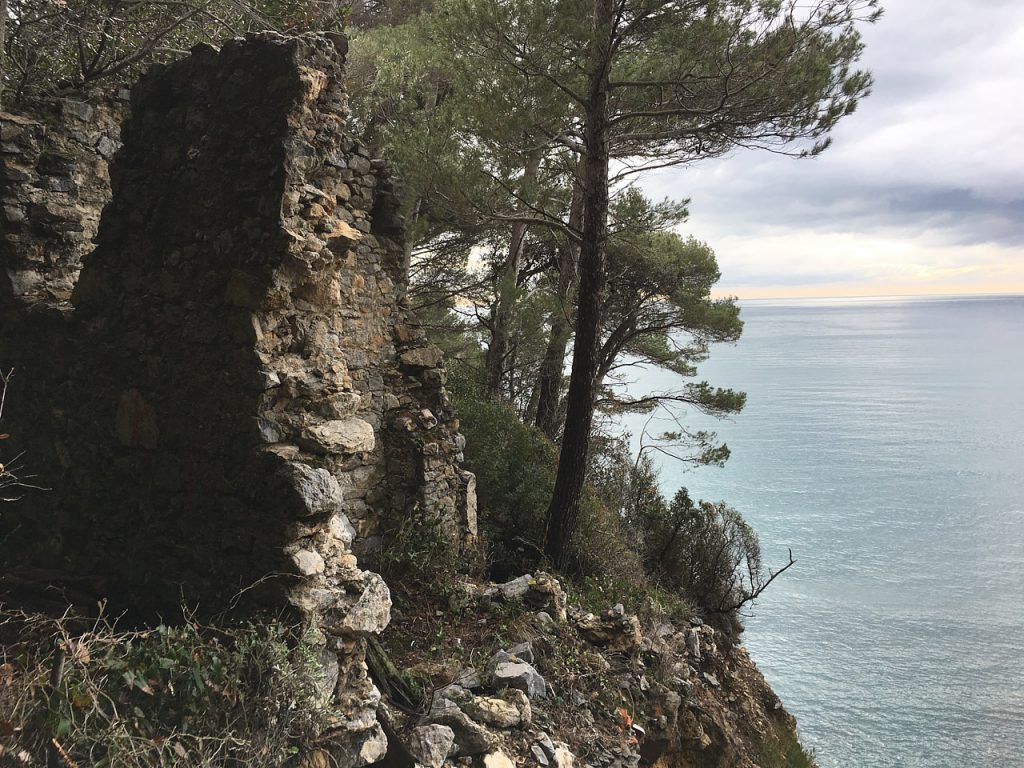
(229, 393)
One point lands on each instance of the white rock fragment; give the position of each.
(350, 435)
(308, 562)
(498, 759)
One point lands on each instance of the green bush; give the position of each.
(787, 752)
(706, 551)
(514, 466)
(630, 544)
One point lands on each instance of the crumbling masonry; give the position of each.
(236, 394)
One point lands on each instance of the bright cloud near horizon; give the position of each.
(922, 191)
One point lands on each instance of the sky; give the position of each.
(922, 191)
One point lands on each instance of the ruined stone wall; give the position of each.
(240, 375)
(237, 394)
(53, 185)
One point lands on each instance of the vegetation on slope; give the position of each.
(84, 692)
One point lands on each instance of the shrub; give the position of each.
(630, 544)
(787, 752)
(515, 469)
(708, 552)
(187, 695)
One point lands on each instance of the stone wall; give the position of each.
(237, 394)
(53, 185)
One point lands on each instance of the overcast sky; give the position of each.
(922, 190)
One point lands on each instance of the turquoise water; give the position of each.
(884, 442)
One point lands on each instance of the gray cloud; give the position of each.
(931, 157)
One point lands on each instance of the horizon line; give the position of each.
(959, 294)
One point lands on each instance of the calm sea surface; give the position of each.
(883, 441)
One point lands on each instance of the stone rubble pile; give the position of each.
(691, 689)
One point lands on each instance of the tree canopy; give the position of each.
(526, 128)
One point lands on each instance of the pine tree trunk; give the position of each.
(506, 294)
(502, 313)
(549, 381)
(563, 513)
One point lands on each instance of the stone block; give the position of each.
(349, 435)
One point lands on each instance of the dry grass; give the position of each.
(87, 694)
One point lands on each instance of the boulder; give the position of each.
(492, 711)
(469, 679)
(515, 589)
(471, 738)
(523, 651)
(543, 622)
(431, 744)
(614, 630)
(521, 702)
(520, 675)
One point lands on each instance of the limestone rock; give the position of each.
(431, 744)
(471, 738)
(522, 676)
(521, 702)
(542, 620)
(523, 652)
(341, 529)
(468, 505)
(421, 357)
(614, 630)
(344, 231)
(328, 671)
(693, 643)
(469, 679)
(308, 563)
(319, 490)
(24, 282)
(498, 759)
(563, 757)
(371, 613)
(350, 435)
(492, 711)
(546, 594)
(515, 589)
(359, 748)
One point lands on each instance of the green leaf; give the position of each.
(197, 678)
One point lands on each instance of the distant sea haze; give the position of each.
(883, 441)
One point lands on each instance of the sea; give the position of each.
(883, 443)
